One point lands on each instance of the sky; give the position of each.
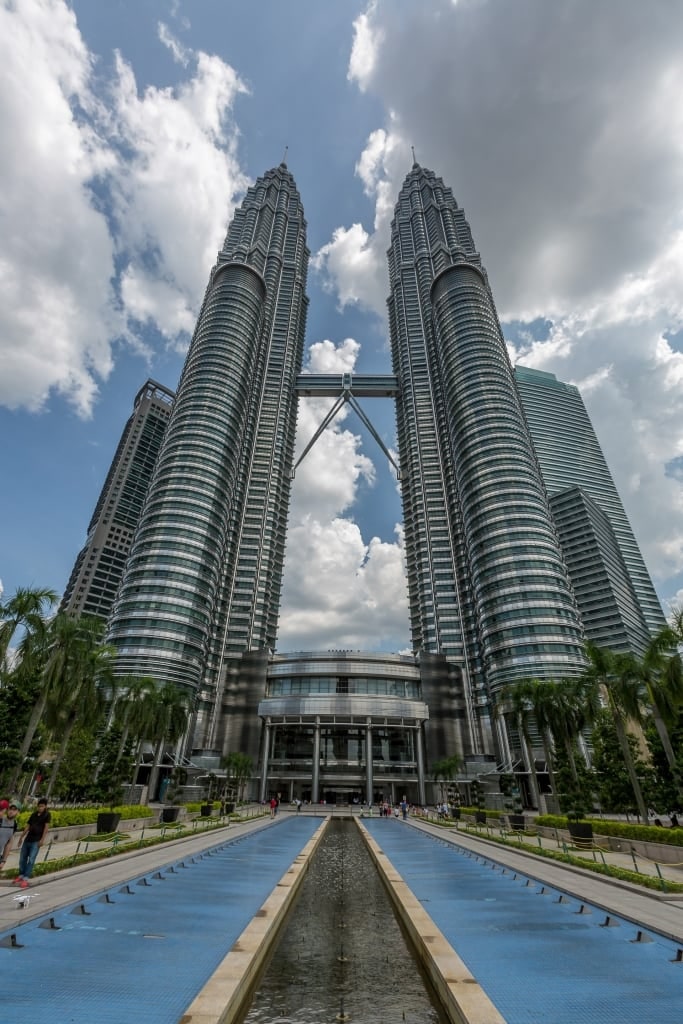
(130, 132)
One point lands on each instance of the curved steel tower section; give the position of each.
(487, 585)
(224, 466)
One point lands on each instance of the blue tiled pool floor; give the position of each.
(145, 954)
(539, 959)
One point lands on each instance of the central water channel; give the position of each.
(342, 954)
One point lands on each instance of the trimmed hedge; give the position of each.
(620, 829)
(488, 811)
(87, 815)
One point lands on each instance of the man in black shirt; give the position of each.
(32, 838)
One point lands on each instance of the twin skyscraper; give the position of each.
(496, 566)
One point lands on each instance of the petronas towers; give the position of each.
(490, 597)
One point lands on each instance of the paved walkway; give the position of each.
(598, 853)
(663, 912)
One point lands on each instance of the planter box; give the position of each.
(169, 814)
(480, 817)
(580, 830)
(206, 810)
(107, 821)
(516, 822)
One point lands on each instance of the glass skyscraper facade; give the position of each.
(98, 570)
(488, 587)
(604, 592)
(570, 455)
(203, 579)
(480, 451)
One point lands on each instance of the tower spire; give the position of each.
(412, 150)
(283, 162)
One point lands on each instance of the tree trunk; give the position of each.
(60, 757)
(122, 745)
(530, 764)
(154, 774)
(569, 750)
(665, 740)
(622, 736)
(34, 721)
(547, 750)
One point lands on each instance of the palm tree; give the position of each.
(46, 659)
(662, 678)
(518, 699)
(170, 709)
(541, 697)
(131, 710)
(90, 686)
(618, 676)
(27, 610)
(572, 706)
(446, 769)
(239, 768)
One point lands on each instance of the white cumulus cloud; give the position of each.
(562, 138)
(112, 206)
(57, 314)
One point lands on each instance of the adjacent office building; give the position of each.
(570, 455)
(489, 592)
(99, 566)
(604, 592)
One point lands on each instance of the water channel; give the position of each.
(342, 954)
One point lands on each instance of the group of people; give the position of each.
(31, 838)
(385, 809)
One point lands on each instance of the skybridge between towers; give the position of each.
(346, 388)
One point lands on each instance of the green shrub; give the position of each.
(620, 829)
(87, 815)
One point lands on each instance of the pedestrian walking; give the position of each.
(30, 841)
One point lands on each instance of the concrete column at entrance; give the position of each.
(264, 763)
(315, 779)
(420, 758)
(368, 762)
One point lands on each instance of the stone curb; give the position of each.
(225, 995)
(459, 992)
